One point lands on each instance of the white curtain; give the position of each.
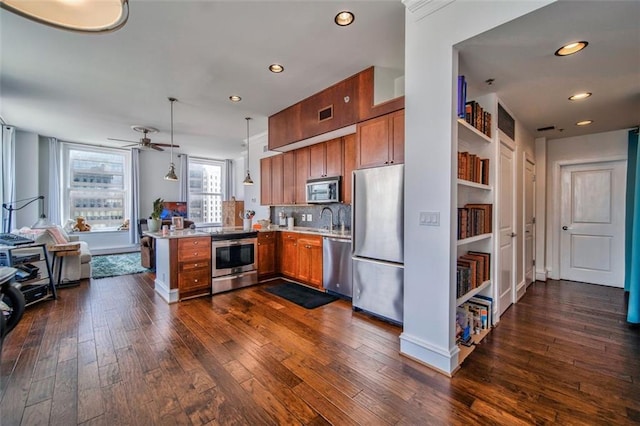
(7, 163)
(53, 197)
(229, 184)
(134, 237)
(184, 177)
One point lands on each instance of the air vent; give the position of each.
(325, 113)
(506, 123)
(544, 129)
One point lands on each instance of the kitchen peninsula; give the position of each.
(204, 261)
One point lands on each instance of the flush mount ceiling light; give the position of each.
(247, 179)
(584, 122)
(571, 48)
(344, 18)
(276, 68)
(235, 98)
(171, 175)
(73, 15)
(579, 96)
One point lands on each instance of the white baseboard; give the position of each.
(541, 275)
(170, 296)
(520, 290)
(441, 360)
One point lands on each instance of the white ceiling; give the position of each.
(87, 88)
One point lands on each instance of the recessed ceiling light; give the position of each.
(579, 96)
(276, 68)
(344, 18)
(571, 48)
(235, 98)
(584, 122)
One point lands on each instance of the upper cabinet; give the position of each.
(380, 141)
(325, 159)
(365, 95)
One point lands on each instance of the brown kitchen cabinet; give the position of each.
(289, 177)
(284, 127)
(326, 159)
(288, 249)
(380, 141)
(265, 181)
(366, 108)
(349, 147)
(310, 260)
(302, 174)
(277, 179)
(194, 267)
(266, 254)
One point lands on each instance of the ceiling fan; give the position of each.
(145, 142)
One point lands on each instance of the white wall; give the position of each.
(597, 146)
(430, 82)
(154, 165)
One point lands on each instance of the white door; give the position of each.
(529, 221)
(506, 257)
(592, 222)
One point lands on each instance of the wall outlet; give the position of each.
(309, 217)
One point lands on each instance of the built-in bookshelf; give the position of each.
(473, 283)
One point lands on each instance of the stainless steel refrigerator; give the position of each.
(378, 241)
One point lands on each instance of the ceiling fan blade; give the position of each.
(122, 140)
(166, 144)
(133, 144)
(156, 147)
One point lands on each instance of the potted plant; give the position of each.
(155, 223)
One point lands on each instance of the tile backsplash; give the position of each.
(341, 214)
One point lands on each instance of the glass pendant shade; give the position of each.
(80, 16)
(171, 175)
(247, 180)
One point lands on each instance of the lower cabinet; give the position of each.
(266, 254)
(301, 258)
(194, 267)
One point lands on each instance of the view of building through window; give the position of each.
(97, 186)
(206, 190)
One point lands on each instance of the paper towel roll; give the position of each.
(290, 222)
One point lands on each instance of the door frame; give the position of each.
(527, 158)
(555, 231)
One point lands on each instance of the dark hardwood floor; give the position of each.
(113, 352)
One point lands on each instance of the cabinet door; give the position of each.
(289, 177)
(302, 174)
(265, 181)
(397, 146)
(191, 249)
(266, 254)
(284, 127)
(372, 148)
(277, 183)
(194, 277)
(310, 261)
(317, 158)
(333, 157)
(289, 254)
(349, 142)
(315, 276)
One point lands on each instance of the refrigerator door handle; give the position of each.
(378, 262)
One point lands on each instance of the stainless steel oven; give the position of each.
(234, 260)
(233, 256)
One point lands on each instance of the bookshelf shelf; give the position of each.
(470, 294)
(474, 239)
(469, 133)
(470, 184)
(465, 351)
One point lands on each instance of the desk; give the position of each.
(61, 251)
(40, 287)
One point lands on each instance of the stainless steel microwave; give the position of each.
(323, 190)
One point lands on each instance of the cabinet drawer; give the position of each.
(194, 248)
(197, 278)
(192, 266)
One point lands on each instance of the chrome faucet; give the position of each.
(330, 217)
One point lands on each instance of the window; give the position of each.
(207, 187)
(96, 183)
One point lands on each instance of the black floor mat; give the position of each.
(301, 295)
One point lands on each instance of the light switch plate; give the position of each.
(429, 219)
(309, 217)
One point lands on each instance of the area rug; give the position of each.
(301, 295)
(113, 265)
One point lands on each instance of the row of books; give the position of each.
(473, 168)
(473, 269)
(472, 317)
(474, 219)
(471, 111)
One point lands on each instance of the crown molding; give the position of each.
(422, 8)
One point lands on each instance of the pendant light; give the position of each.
(79, 16)
(248, 180)
(172, 168)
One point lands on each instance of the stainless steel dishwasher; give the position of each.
(336, 266)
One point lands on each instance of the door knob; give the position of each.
(513, 234)
(564, 228)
